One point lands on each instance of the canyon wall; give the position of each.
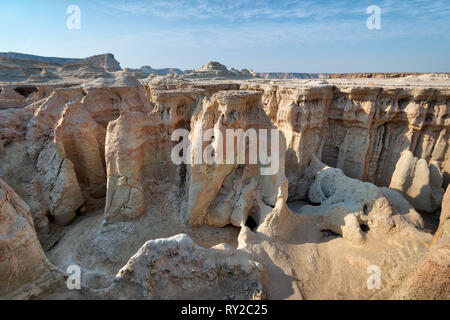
(367, 132)
(392, 137)
(355, 163)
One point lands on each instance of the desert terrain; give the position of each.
(87, 180)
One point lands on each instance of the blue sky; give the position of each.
(263, 35)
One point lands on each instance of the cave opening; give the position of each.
(366, 209)
(329, 233)
(251, 223)
(50, 217)
(26, 91)
(364, 228)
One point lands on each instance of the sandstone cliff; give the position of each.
(24, 270)
(359, 166)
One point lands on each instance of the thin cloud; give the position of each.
(277, 10)
(230, 10)
(253, 22)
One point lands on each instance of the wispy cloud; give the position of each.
(259, 22)
(288, 9)
(230, 10)
(419, 9)
(320, 35)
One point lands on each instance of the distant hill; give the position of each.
(23, 56)
(291, 75)
(216, 70)
(105, 61)
(148, 69)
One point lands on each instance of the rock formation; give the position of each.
(444, 224)
(176, 268)
(362, 131)
(360, 171)
(24, 269)
(420, 182)
(35, 69)
(348, 206)
(430, 278)
(105, 61)
(219, 71)
(150, 70)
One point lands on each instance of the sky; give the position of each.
(262, 35)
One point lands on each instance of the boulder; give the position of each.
(22, 260)
(419, 182)
(176, 268)
(347, 206)
(444, 222)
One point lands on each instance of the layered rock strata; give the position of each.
(176, 268)
(357, 166)
(24, 269)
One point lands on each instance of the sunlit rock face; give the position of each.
(176, 268)
(24, 269)
(364, 131)
(224, 193)
(361, 170)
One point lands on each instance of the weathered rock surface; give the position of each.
(92, 159)
(444, 222)
(361, 130)
(222, 193)
(139, 148)
(347, 205)
(176, 268)
(150, 70)
(380, 75)
(105, 61)
(420, 182)
(215, 70)
(430, 278)
(35, 69)
(24, 269)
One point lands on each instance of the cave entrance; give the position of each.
(365, 228)
(26, 91)
(251, 223)
(330, 234)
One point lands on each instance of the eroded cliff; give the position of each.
(361, 165)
